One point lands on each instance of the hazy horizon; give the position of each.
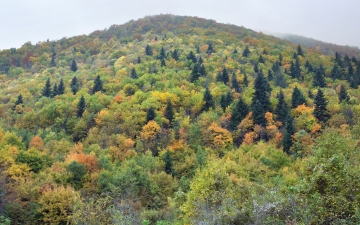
(39, 20)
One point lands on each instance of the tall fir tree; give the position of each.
(19, 101)
(238, 113)
(55, 90)
(300, 51)
(281, 110)
(225, 75)
(148, 50)
(246, 82)
(246, 52)
(195, 73)
(320, 111)
(133, 74)
(270, 75)
(81, 107)
(150, 114)
(175, 55)
(258, 113)
(279, 79)
(235, 83)
(162, 53)
(47, 89)
(261, 59)
(61, 87)
(289, 131)
(262, 91)
(208, 99)
(280, 60)
(73, 65)
(343, 95)
(202, 71)
(210, 49)
(98, 85)
(335, 73)
(74, 85)
(52, 62)
(191, 57)
(223, 102)
(162, 62)
(319, 79)
(168, 163)
(297, 98)
(169, 111)
(138, 60)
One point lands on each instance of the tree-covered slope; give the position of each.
(178, 120)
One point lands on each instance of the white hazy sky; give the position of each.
(37, 20)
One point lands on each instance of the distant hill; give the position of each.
(324, 47)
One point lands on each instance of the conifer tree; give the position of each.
(162, 62)
(300, 51)
(148, 50)
(246, 52)
(280, 79)
(350, 73)
(195, 73)
(281, 109)
(98, 85)
(168, 163)
(52, 62)
(210, 49)
(200, 60)
(246, 82)
(235, 51)
(319, 80)
(175, 55)
(223, 102)
(270, 75)
(310, 94)
(264, 52)
(297, 98)
(162, 54)
(226, 100)
(191, 57)
(169, 111)
(235, 83)
(74, 85)
(198, 50)
(138, 60)
(288, 132)
(133, 74)
(320, 111)
(19, 101)
(335, 73)
(225, 75)
(258, 113)
(238, 113)
(280, 60)
(256, 68)
(202, 70)
(81, 107)
(55, 90)
(47, 89)
(150, 114)
(73, 65)
(208, 99)
(262, 91)
(261, 59)
(343, 95)
(61, 87)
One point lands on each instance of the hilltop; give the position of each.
(178, 120)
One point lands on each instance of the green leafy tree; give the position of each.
(73, 65)
(81, 107)
(78, 172)
(201, 156)
(47, 89)
(297, 98)
(208, 99)
(150, 114)
(343, 95)
(98, 85)
(238, 113)
(148, 50)
(320, 111)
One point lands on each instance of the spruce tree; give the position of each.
(319, 80)
(256, 68)
(225, 76)
(246, 82)
(202, 71)
(162, 53)
(73, 65)
(310, 94)
(235, 51)
(261, 59)
(320, 111)
(208, 99)
(169, 111)
(74, 85)
(168, 163)
(343, 95)
(300, 51)
(47, 89)
(288, 132)
(335, 73)
(350, 73)
(19, 101)
(281, 109)
(195, 73)
(138, 60)
(270, 75)
(200, 60)
(81, 107)
(238, 113)
(279, 79)
(191, 57)
(262, 91)
(98, 85)
(148, 50)
(297, 98)
(223, 102)
(52, 62)
(246, 52)
(258, 113)
(210, 49)
(162, 63)
(61, 87)
(280, 60)
(175, 55)
(264, 52)
(235, 83)
(55, 90)
(150, 114)
(133, 74)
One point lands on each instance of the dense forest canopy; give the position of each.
(178, 120)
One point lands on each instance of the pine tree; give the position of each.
(297, 98)
(138, 60)
(162, 63)
(175, 55)
(350, 73)
(235, 51)
(319, 80)
(73, 65)
(225, 76)
(74, 85)
(223, 102)
(310, 94)
(320, 111)
(198, 50)
(19, 101)
(55, 90)
(258, 113)
(226, 100)
(279, 79)
(261, 59)
(61, 88)
(256, 68)
(238, 113)
(168, 163)
(81, 107)
(280, 60)
(52, 62)
(202, 71)
(148, 50)
(246, 82)
(300, 51)
(281, 109)
(47, 89)
(235, 83)
(98, 85)
(335, 73)
(169, 111)
(162, 54)
(208, 99)
(343, 95)
(191, 57)
(288, 132)
(133, 74)
(262, 91)
(270, 75)
(246, 52)
(200, 60)
(210, 49)
(195, 73)
(150, 114)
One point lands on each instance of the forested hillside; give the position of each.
(178, 120)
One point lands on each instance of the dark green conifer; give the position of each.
(223, 102)
(261, 59)
(138, 60)
(74, 85)
(52, 62)
(202, 71)
(258, 113)
(262, 91)
(73, 65)
(208, 99)
(198, 50)
(98, 85)
(246, 52)
(235, 51)
(246, 82)
(238, 113)
(297, 98)
(200, 60)
(288, 132)
(81, 107)
(169, 111)
(148, 50)
(281, 109)
(191, 57)
(256, 67)
(235, 83)
(195, 73)
(310, 94)
(225, 76)
(168, 163)
(19, 101)
(343, 95)
(320, 111)
(335, 73)
(150, 114)
(133, 74)
(55, 90)
(162, 63)
(300, 51)
(270, 75)
(162, 54)
(279, 79)
(175, 55)
(319, 79)
(280, 60)
(61, 87)
(47, 89)
(210, 49)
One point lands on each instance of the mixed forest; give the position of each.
(178, 120)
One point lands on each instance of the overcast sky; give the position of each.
(37, 20)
